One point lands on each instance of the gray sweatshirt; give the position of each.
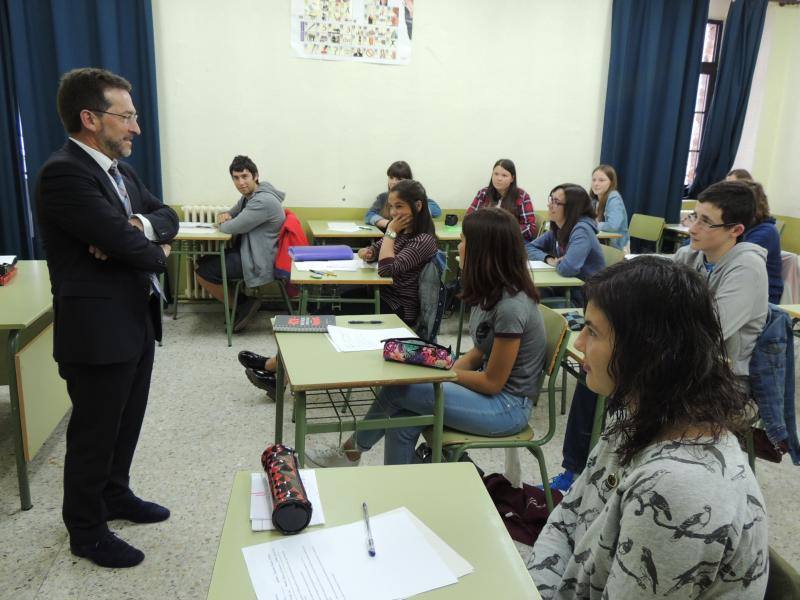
(685, 519)
(259, 222)
(740, 287)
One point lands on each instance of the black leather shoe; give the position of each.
(251, 360)
(139, 511)
(109, 551)
(263, 380)
(244, 312)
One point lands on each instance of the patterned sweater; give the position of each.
(685, 519)
(525, 214)
(411, 253)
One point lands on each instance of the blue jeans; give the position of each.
(495, 416)
(578, 436)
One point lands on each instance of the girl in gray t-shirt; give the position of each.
(498, 377)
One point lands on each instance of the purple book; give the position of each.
(301, 253)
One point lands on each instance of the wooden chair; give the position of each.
(612, 255)
(458, 442)
(647, 228)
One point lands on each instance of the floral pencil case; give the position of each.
(416, 351)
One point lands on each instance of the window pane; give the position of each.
(697, 132)
(710, 42)
(691, 167)
(702, 93)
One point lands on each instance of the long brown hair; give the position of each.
(509, 201)
(411, 192)
(495, 260)
(578, 204)
(609, 172)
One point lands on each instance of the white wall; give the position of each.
(519, 79)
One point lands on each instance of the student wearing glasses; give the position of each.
(571, 244)
(503, 192)
(667, 505)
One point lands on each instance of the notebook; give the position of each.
(303, 324)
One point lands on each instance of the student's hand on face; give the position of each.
(223, 216)
(399, 224)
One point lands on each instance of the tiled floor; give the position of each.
(204, 422)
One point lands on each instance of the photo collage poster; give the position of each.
(376, 31)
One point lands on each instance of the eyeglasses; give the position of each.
(127, 119)
(692, 218)
(551, 201)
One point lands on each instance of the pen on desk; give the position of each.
(370, 542)
(365, 228)
(364, 322)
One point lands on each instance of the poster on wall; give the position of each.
(377, 31)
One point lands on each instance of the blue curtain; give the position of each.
(723, 127)
(656, 48)
(16, 222)
(49, 37)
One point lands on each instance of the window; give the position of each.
(705, 91)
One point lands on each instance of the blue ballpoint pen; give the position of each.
(370, 542)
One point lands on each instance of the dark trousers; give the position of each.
(578, 435)
(108, 405)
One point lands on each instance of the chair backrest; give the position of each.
(645, 227)
(779, 226)
(432, 298)
(612, 255)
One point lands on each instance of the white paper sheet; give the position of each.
(333, 563)
(334, 265)
(539, 265)
(343, 226)
(195, 225)
(345, 339)
(261, 500)
(7, 259)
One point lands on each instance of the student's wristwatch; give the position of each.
(390, 234)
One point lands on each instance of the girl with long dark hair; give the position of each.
(498, 377)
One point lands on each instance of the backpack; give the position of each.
(432, 296)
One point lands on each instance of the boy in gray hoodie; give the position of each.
(736, 271)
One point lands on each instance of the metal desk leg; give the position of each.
(300, 427)
(228, 326)
(599, 415)
(303, 309)
(161, 309)
(460, 328)
(438, 422)
(177, 282)
(377, 292)
(279, 400)
(16, 421)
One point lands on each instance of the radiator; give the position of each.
(198, 214)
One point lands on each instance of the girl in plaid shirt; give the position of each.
(502, 191)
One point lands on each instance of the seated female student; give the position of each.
(608, 205)
(498, 377)
(667, 505)
(764, 233)
(408, 245)
(377, 213)
(503, 192)
(570, 245)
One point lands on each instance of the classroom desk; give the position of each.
(449, 498)
(26, 309)
(310, 362)
(196, 242)
(320, 231)
(370, 277)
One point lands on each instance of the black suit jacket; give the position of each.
(100, 306)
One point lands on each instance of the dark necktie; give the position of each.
(126, 202)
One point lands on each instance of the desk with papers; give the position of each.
(448, 499)
(322, 231)
(336, 273)
(311, 363)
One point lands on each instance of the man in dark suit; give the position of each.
(105, 236)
